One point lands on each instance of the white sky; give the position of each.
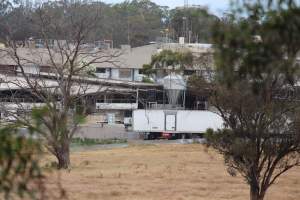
(216, 6)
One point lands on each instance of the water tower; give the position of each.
(175, 87)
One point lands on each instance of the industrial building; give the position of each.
(117, 89)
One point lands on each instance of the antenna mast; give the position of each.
(186, 3)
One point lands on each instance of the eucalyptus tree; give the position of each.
(256, 56)
(199, 21)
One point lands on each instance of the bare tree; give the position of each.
(57, 74)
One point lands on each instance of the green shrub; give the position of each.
(90, 141)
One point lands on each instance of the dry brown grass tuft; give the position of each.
(160, 172)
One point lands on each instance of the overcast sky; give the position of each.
(216, 6)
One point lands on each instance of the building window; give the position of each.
(100, 70)
(124, 73)
(141, 71)
(189, 72)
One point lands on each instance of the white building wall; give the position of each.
(32, 69)
(23, 106)
(115, 74)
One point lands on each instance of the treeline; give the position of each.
(135, 22)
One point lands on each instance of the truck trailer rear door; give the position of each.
(170, 122)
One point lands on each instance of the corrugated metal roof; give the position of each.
(111, 58)
(90, 85)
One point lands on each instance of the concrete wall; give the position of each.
(97, 131)
(103, 115)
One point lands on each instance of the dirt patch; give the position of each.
(160, 172)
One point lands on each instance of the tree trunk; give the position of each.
(63, 156)
(255, 194)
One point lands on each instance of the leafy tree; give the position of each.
(199, 86)
(131, 22)
(137, 22)
(168, 60)
(197, 20)
(176, 60)
(18, 23)
(147, 70)
(261, 138)
(256, 60)
(20, 174)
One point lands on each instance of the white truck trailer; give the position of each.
(174, 124)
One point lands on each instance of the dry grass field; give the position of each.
(161, 172)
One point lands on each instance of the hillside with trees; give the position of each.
(135, 22)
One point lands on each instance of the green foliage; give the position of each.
(147, 70)
(147, 80)
(80, 115)
(199, 86)
(57, 127)
(38, 113)
(89, 71)
(141, 21)
(261, 136)
(198, 20)
(79, 119)
(260, 47)
(168, 58)
(256, 57)
(20, 173)
(130, 22)
(51, 165)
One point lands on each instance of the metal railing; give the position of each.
(116, 101)
(19, 100)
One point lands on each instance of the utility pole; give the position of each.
(185, 24)
(128, 31)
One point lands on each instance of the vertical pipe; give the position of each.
(137, 97)
(184, 99)
(164, 99)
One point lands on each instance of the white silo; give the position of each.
(175, 86)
